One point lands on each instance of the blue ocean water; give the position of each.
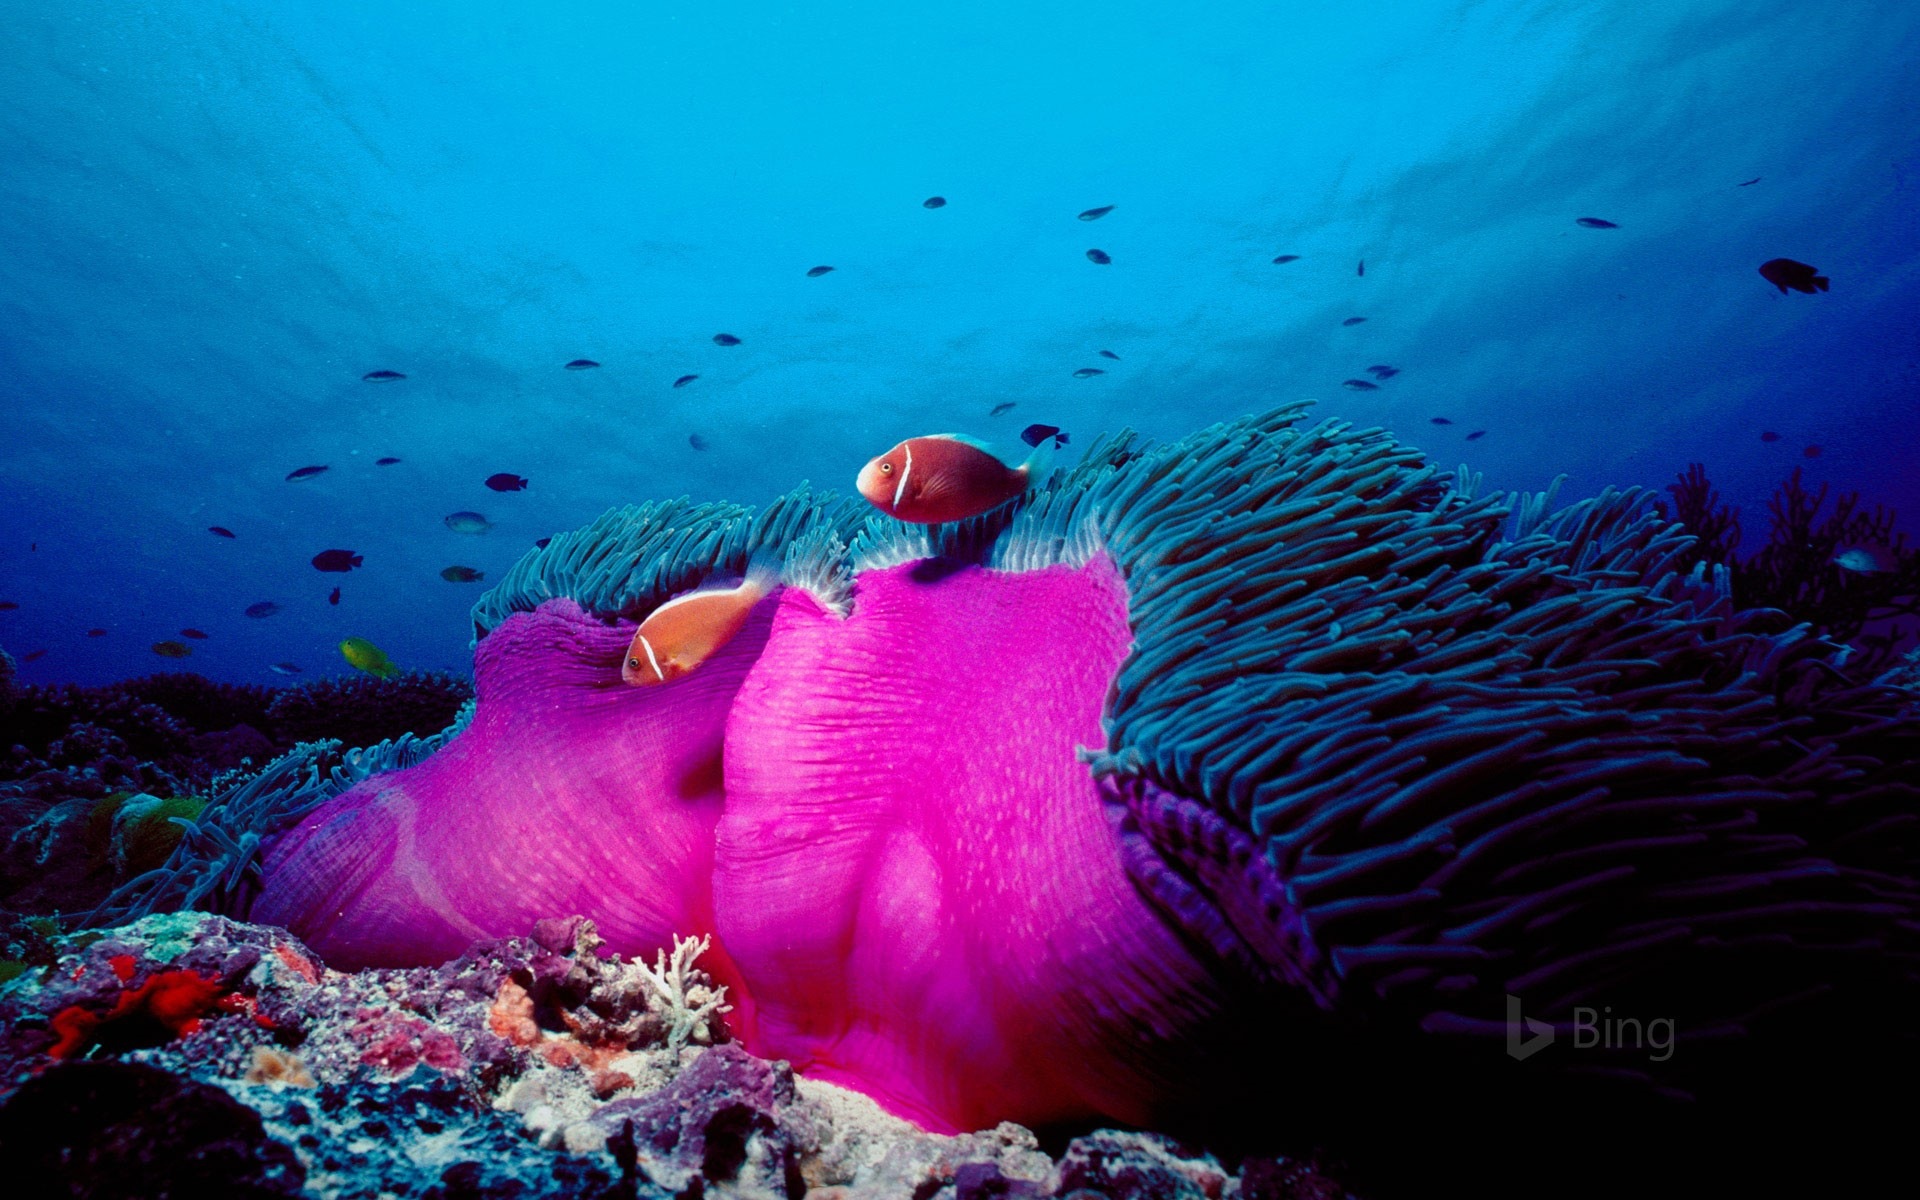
(218, 218)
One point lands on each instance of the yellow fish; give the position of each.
(687, 630)
(368, 657)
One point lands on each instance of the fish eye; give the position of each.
(886, 468)
(634, 662)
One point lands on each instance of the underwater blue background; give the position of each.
(215, 218)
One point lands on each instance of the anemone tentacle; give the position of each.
(216, 862)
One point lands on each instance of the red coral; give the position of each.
(73, 1028)
(395, 1043)
(124, 965)
(173, 1000)
(176, 999)
(297, 963)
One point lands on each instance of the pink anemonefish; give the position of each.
(947, 477)
(687, 630)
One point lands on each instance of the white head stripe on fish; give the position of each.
(651, 660)
(901, 489)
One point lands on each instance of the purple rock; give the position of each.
(1139, 1166)
(706, 1122)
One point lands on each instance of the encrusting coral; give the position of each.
(528, 1066)
(1273, 734)
(360, 710)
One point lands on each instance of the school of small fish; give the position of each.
(927, 479)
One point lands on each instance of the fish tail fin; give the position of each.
(763, 569)
(1039, 464)
(1820, 281)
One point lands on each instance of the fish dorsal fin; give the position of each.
(966, 440)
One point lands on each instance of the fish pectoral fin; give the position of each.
(935, 487)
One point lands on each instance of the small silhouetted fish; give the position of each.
(264, 608)
(1354, 321)
(1443, 420)
(1002, 408)
(696, 441)
(195, 634)
(333, 597)
(96, 633)
(1785, 273)
(934, 202)
(817, 272)
(1382, 371)
(1286, 258)
(1769, 436)
(1362, 268)
(1865, 559)
(1094, 214)
(506, 481)
(684, 380)
(1810, 452)
(336, 560)
(171, 649)
(1099, 256)
(385, 462)
(284, 668)
(1110, 354)
(33, 656)
(461, 575)
(382, 376)
(1033, 435)
(1088, 372)
(304, 473)
(725, 339)
(542, 543)
(1476, 435)
(466, 522)
(1360, 385)
(7, 606)
(1594, 223)
(580, 364)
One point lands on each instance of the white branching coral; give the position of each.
(686, 997)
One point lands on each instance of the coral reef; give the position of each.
(1798, 570)
(360, 710)
(527, 1066)
(176, 739)
(69, 741)
(200, 703)
(172, 733)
